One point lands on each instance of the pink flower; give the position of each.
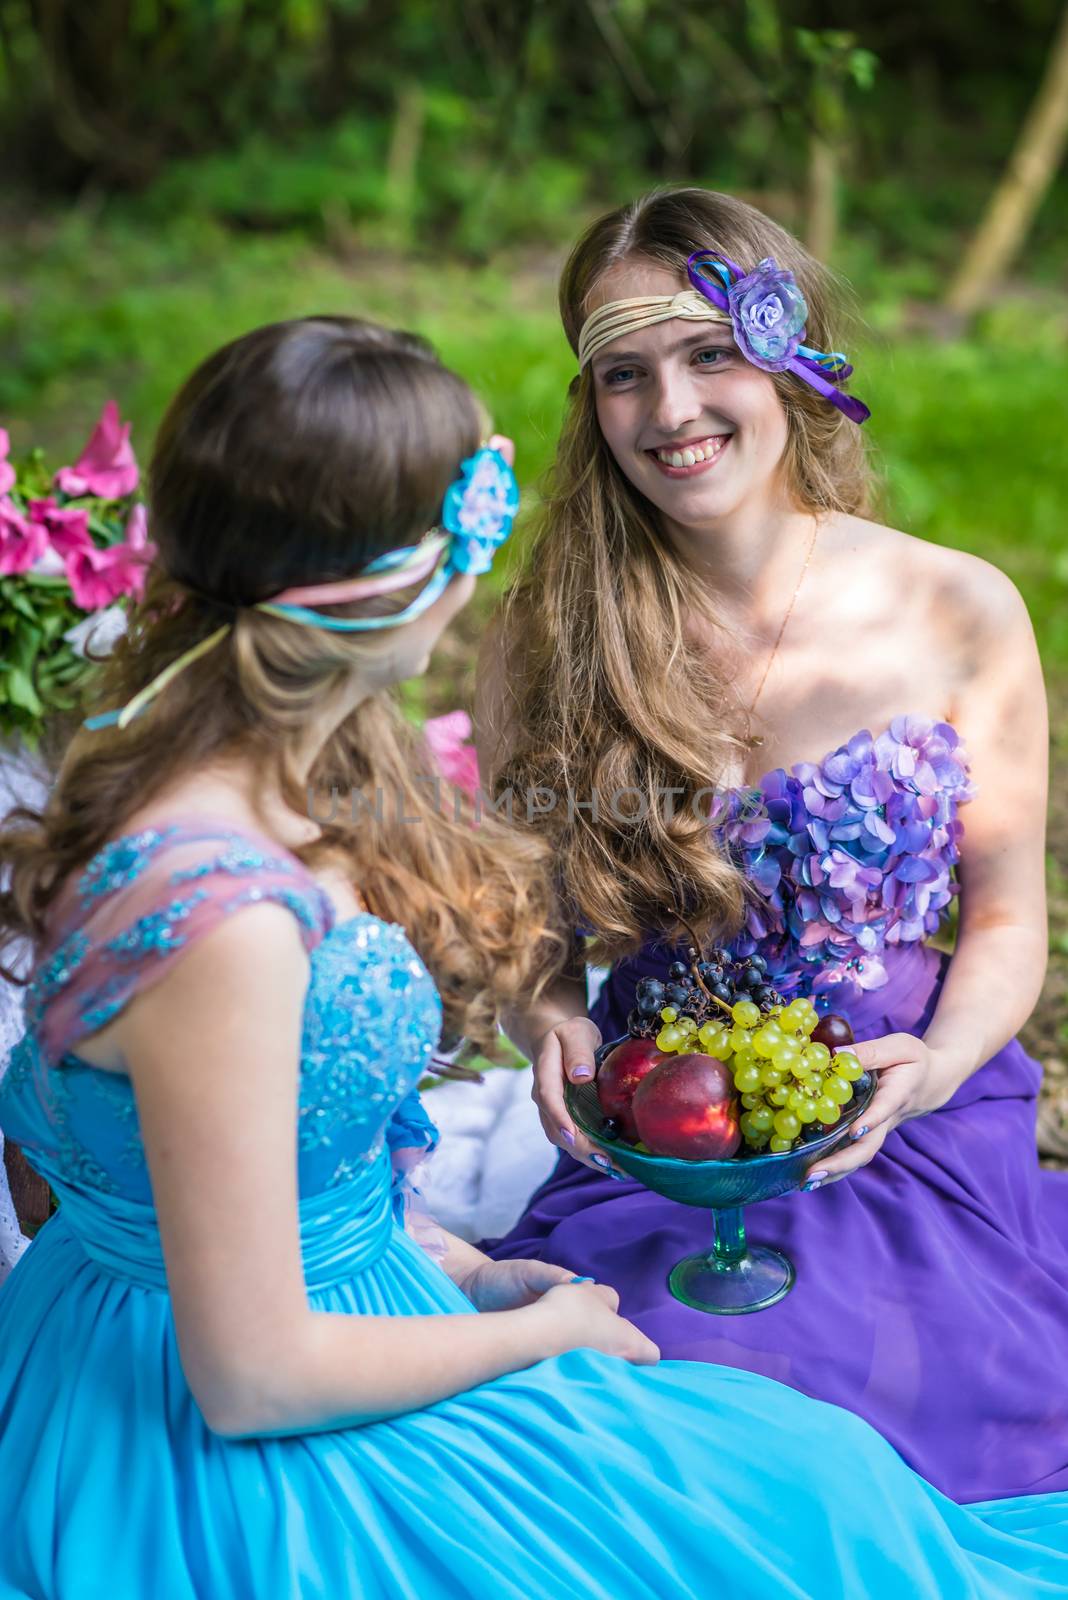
(7, 471)
(106, 466)
(21, 542)
(137, 532)
(67, 527)
(457, 761)
(99, 577)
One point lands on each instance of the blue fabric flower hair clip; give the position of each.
(479, 510)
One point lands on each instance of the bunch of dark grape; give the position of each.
(700, 989)
(791, 1086)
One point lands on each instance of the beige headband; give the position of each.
(611, 321)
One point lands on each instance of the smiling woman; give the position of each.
(704, 581)
(665, 399)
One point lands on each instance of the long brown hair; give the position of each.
(295, 455)
(609, 691)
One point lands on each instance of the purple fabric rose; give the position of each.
(769, 313)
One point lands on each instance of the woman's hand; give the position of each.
(505, 1285)
(913, 1079)
(580, 1315)
(565, 1055)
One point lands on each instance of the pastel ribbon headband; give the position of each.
(611, 321)
(477, 515)
(766, 311)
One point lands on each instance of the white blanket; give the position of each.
(22, 782)
(493, 1153)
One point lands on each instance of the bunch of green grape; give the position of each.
(788, 1082)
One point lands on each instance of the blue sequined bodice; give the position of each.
(372, 1015)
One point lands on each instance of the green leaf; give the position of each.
(21, 692)
(107, 528)
(53, 623)
(20, 602)
(863, 64)
(765, 30)
(25, 645)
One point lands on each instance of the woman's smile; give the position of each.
(690, 457)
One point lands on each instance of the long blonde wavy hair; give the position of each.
(608, 692)
(295, 455)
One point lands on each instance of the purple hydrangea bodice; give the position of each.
(850, 854)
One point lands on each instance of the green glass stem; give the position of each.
(728, 1237)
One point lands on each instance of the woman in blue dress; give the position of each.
(227, 1368)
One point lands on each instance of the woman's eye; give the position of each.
(711, 358)
(621, 375)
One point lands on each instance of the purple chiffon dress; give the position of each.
(932, 1285)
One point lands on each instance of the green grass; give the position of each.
(969, 434)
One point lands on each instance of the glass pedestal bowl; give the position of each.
(732, 1277)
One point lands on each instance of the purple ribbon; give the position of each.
(811, 365)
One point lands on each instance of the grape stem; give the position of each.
(696, 945)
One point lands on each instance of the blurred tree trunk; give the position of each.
(1030, 171)
(831, 62)
(402, 161)
(821, 210)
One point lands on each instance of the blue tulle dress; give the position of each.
(578, 1477)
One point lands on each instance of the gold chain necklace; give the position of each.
(759, 738)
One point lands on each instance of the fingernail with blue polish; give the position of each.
(580, 1074)
(580, 1280)
(858, 1133)
(567, 1136)
(605, 1166)
(812, 1185)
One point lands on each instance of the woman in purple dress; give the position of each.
(708, 618)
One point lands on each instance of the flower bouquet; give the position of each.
(73, 548)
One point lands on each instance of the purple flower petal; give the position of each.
(876, 826)
(904, 764)
(808, 904)
(924, 777)
(824, 785)
(841, 768)
(766, 875)
(830, 909)
(914, 869)
(911, 838)
(882, 787)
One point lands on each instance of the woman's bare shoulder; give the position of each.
(960, 589)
